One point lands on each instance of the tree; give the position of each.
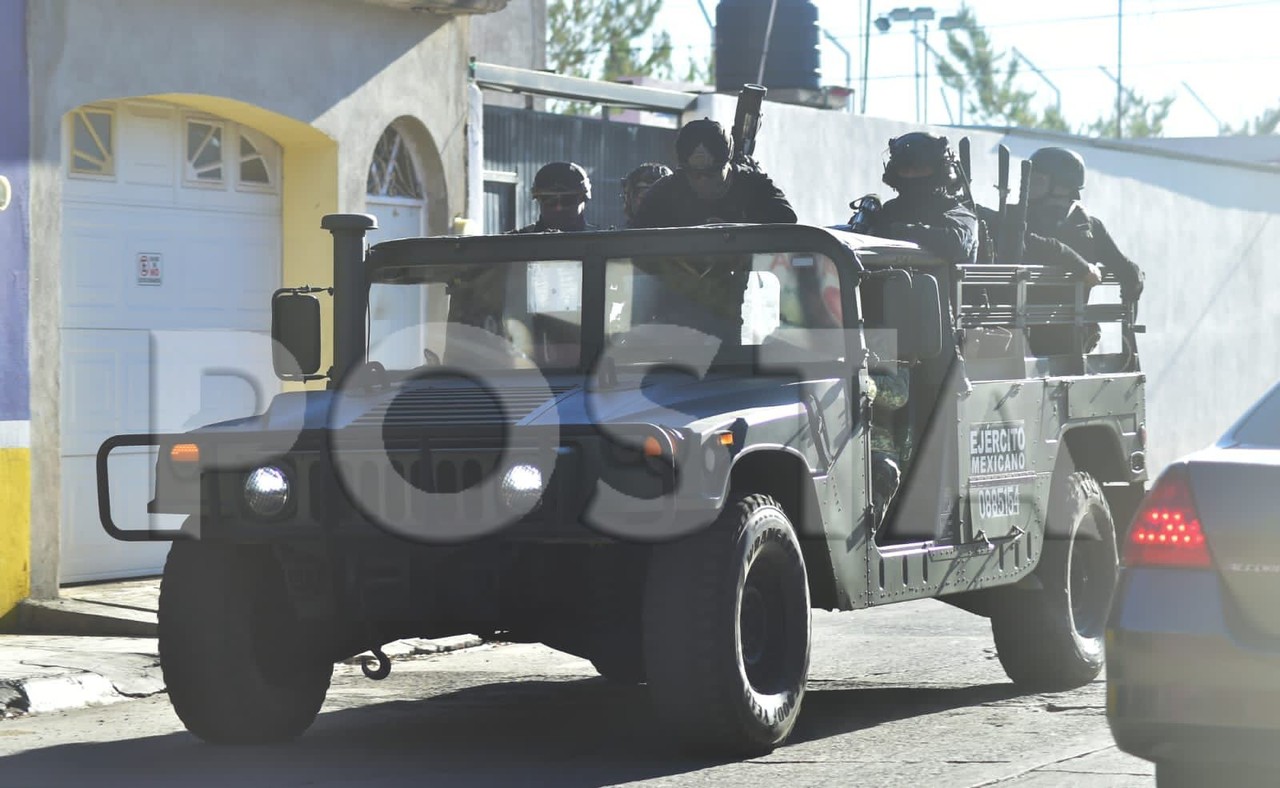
(986, 80)
(986, 83)
(1266, 123)
(1140, 117)
(596, 39)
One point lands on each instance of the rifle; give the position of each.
(746, 123)
(1013, 226)
(985, 253)
(1002, 183)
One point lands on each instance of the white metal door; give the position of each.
(171, 250)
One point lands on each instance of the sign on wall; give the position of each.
(150, 268)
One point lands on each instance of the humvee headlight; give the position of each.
(266, 491)
(522, 487)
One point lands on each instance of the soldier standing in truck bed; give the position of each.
(1061, 233)
(710, 187)
(562, 191)
(928, 209)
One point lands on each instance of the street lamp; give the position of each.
(915, 16)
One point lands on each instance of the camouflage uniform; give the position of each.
(890, 446)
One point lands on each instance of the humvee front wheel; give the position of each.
(726, 630)
(1051, 639)
(234, 656)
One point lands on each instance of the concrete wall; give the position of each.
(1204, 231)
(15, 413)
(323, 77)
(515, 36)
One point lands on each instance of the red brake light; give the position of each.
(1166, 529)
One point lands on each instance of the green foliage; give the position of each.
(596, 40)
(1266, 123)
(986, 78)
(1141, 118)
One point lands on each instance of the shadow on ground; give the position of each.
(565, 733)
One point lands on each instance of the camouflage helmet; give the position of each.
(561, 177)
(648, 173)
(1064, 168)
(920, 149)
(708, 134)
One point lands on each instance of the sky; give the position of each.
(1223, 51)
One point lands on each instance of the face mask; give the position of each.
(708, 178)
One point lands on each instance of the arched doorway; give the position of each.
(394, 190)
(395, 195)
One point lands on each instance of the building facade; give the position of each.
(169, 162)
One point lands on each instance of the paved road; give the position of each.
(910, 695)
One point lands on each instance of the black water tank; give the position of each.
(793, 46)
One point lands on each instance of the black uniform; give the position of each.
(1088, 237)
(751, 198)
(938, 222)
(1040, 250)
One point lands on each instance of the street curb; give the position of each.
(78, 690)
(82, 689)
(420, 647)
(69, 616)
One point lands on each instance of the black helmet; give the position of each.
(1064, 168)
(919, 149)
(561, 177)
(705, 132)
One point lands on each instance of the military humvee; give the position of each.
(649, 448)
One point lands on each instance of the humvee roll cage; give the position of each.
(982, 296)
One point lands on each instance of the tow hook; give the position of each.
(384, 665)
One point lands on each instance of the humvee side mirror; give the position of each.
(295, 327)
(913, 310)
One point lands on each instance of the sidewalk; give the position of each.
(97, 645)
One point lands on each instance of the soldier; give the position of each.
(1054, 211)
(1061, 233)
(637, 184)
(928, 209)
(562, 190)
(709, 186)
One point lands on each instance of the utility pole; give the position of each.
(866, 54)
(1119, 68)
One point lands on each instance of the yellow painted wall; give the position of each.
(15, 527)
(310, 190)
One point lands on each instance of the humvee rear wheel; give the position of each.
(1051, 639)
(235, 659)
(726, 630)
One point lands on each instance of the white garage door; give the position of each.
(171, 250)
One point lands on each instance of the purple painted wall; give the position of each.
(15, 148)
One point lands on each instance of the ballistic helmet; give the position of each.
(920, 150)
(646, 174)
(708, 134)
(1064, 168)
(561, 177)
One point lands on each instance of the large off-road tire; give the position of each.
(726, 631)
(238, 665)
(1051, 639)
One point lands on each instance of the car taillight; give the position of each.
(1166, 529)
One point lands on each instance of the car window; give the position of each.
(1262, 426)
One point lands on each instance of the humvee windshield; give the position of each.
(520, 315)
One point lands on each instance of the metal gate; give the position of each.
(519, 141)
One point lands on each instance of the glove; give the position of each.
(1130, 292)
